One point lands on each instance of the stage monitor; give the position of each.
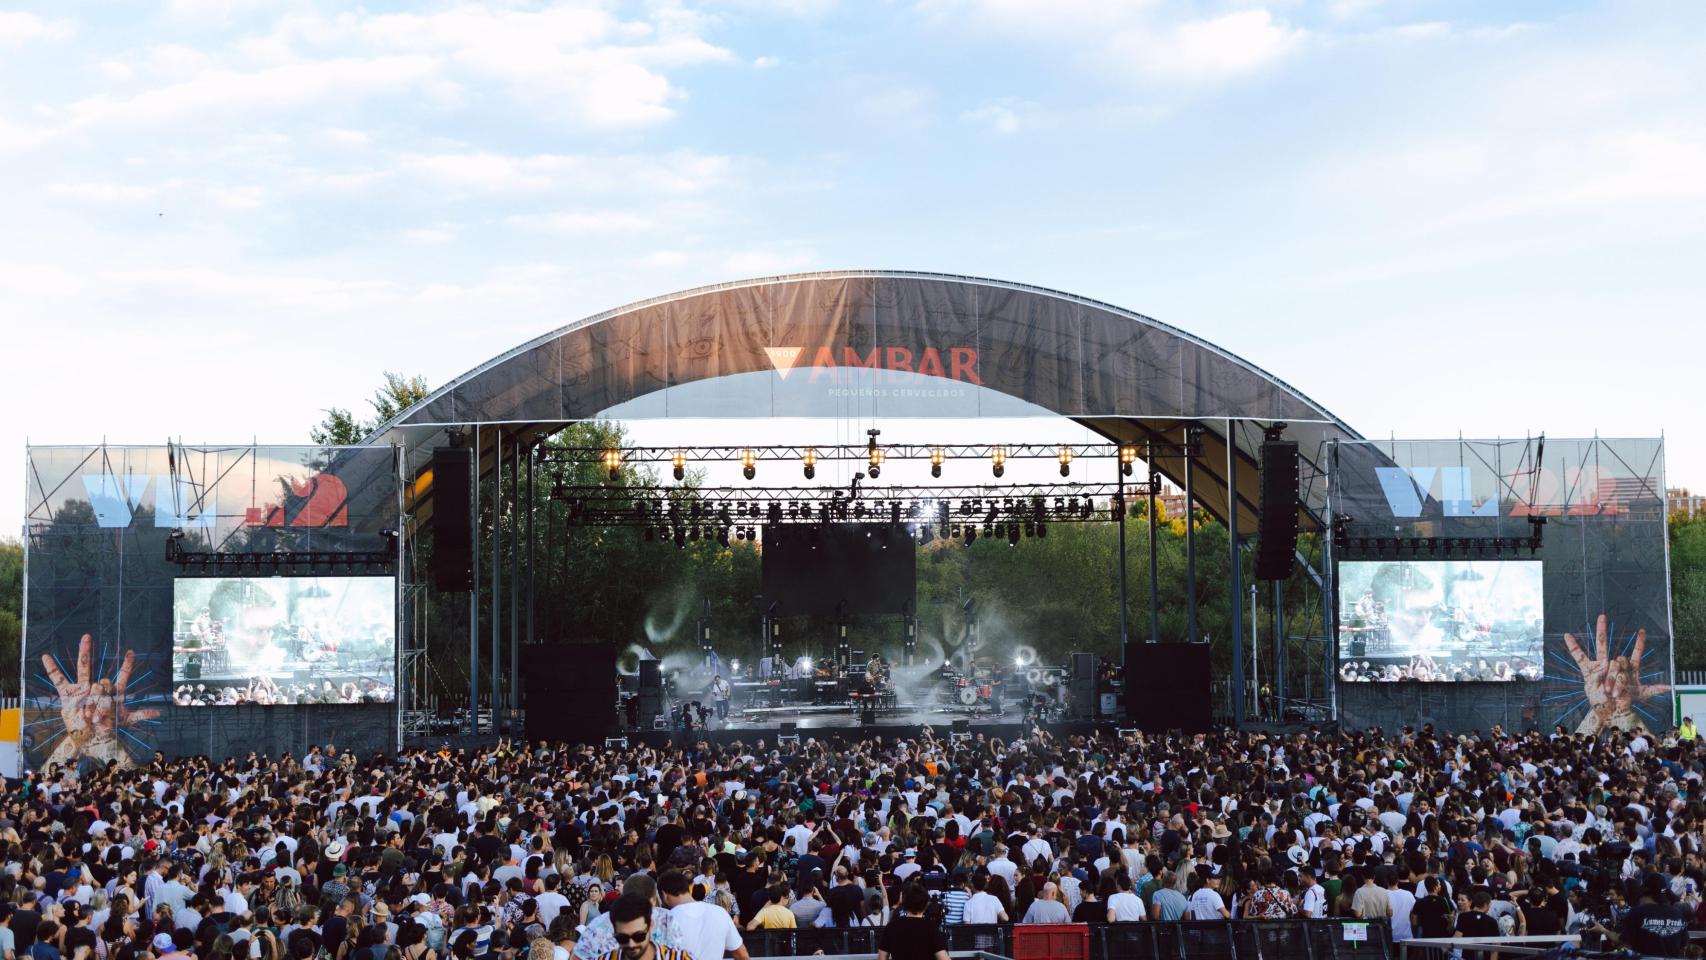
(811, 568)
(1440, 620)
(283, 640)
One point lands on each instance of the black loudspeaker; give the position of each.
(1167, 686)
(651, 691)
(569, 691)
(452, 520)
(1083, 702)
(1276, 525)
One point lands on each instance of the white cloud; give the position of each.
(19, 28)
(1212, 49)
(585, 222)
(997, 117)
(765, 63)
(1139, 40)
(429, 236)
(101, 192)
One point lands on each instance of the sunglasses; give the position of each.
(634, 938)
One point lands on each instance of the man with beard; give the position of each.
(631, 925)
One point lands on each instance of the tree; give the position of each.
(11, 611)
(341, 428)
(1688, 589)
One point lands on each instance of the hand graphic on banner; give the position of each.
(1612, 684)
(93, 710)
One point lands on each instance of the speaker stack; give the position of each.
(1167, 686)
(1276, 524)
(1084, 701)
(453, 519)
(569, 691)
(651, 692)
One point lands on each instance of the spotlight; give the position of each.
(693, 534)
(1128, 456)
(998, 460)
(876, 460)
(935, 461)
(680, 462)
(680, 538)
(613, 463)
(774, 514)
(1116, 506)
(723, 537)
(1042, 529)
(1065, 458)
(748, 464)
(811, 462)
(1012, 534)
(971, 534)
(894, 512)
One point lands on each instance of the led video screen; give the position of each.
(283, 640)
(860, 569)
(1441, 620)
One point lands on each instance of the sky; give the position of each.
(221, 217)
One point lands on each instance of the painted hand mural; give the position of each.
(93, 710)
(1611, 684)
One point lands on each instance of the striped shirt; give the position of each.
(660, 952)
(954, 906)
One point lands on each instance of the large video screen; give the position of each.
(1441, 620)
(864, 569)
(283, 640)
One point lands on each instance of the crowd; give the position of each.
(551, 852)
(264, 691)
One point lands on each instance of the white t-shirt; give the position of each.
(551, 903)
(982, 907)
(704, 930)
(1005, 869)
(1127, 907)
(1206, 904)
(1403, 901)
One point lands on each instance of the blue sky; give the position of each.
(224, 215)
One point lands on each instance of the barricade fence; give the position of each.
(1337, 939)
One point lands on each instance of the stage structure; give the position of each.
(259, 568)
(870, 345)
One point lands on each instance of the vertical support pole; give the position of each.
(511, 696)
(532, 547)
(1154, 574)
(497, 570)
(1236, 574)
(1281, 652)
(474, 602)
(1120, 485)
(1190, 535)
(1256, 653)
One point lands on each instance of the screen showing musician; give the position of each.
(1441, 620)
(283, 640)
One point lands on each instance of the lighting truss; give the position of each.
(934, 453)
(269, 564)
(928, 506)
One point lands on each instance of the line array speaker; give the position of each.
(453, 519)
(1276, 525)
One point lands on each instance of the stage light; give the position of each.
(876, 462)
(811, 462)
(894, 512)
(680, 462)
(1065, 458)
(748, 464)
(693, 534)
(723, 537)
(613, 463)
(774, 514)
(1012, 534)
(1128, 456)
(680, 538)
(971, 534)
(998, 460)
(1042, 529)
(935, 461)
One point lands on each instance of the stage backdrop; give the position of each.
(99, 618)
(1604, 555)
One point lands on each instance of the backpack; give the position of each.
(937, 911)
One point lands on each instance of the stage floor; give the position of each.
(823, 717)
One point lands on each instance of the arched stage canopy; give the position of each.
(879, 344)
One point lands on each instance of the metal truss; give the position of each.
(934, 453)
(712, 508)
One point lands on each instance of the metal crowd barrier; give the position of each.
(1193, 940)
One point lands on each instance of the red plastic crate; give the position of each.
(1051, 941)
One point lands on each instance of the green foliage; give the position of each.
(1688, 589)
(341, 428)
(11, 612)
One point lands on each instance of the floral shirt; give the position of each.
(1271, 903)
(598, 938)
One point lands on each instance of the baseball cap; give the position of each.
(163, 941)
